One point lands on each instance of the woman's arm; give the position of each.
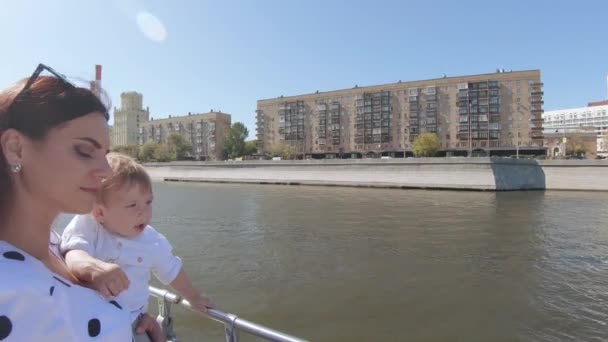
(107, 278)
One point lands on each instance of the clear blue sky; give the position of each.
(228, 54)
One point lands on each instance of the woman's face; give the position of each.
(66, 169)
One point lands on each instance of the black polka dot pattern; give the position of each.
(6, 326)
(94, 327)
(61, 281)
(51, 290)
(13, 255)
(113, 302)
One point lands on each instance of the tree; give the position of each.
(164, 153)
(251, 147)
(179, 146)
(130, 150)
(283, 151)
(426, 145)
(147, 151)
(234, 144)
(575, 145)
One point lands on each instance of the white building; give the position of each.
(571, 120)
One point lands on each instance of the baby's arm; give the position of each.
(107, 278)
(168, 269)
(183, 285)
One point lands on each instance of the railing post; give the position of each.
(165, 320)
(232, 334)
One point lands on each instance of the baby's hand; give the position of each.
(201, 303)
(148, 325)
(109, 279)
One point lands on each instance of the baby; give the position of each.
(114, 250)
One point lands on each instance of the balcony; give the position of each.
(537, 111)
(537, 101)
(537, 93)
(537, 129)
(538, 120)
(537, 84)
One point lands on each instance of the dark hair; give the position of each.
(46, 104)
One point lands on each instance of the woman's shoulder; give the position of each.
(36, 304)
(20, 271)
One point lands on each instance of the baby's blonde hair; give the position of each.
(126, 171)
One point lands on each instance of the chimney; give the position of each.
(96, 85)
(98, 73)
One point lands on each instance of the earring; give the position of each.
(16, 168)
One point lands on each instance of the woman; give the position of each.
(53, 139)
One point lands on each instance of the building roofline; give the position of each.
(186, 116)
(576, 108)
(398, 83)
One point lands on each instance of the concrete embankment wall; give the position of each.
(586, 175)
(432, 173)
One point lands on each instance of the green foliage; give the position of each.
(234, 144)
(426, 145)
(164, 153)
(179, 147)
(147, 151)
(250, 147)
(283, 151)
(575, 145)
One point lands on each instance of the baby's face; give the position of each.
(127, 211)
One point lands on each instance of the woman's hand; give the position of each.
(108, 279)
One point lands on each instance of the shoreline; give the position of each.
(464, 174)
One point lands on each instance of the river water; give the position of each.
(350, 264)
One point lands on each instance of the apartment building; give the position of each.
(206, 132)
(486, 114)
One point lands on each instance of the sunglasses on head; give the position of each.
(39, 69)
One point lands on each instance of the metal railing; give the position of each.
(232, 323)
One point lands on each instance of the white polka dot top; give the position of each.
(38, 305)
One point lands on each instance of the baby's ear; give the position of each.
(98, 212)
